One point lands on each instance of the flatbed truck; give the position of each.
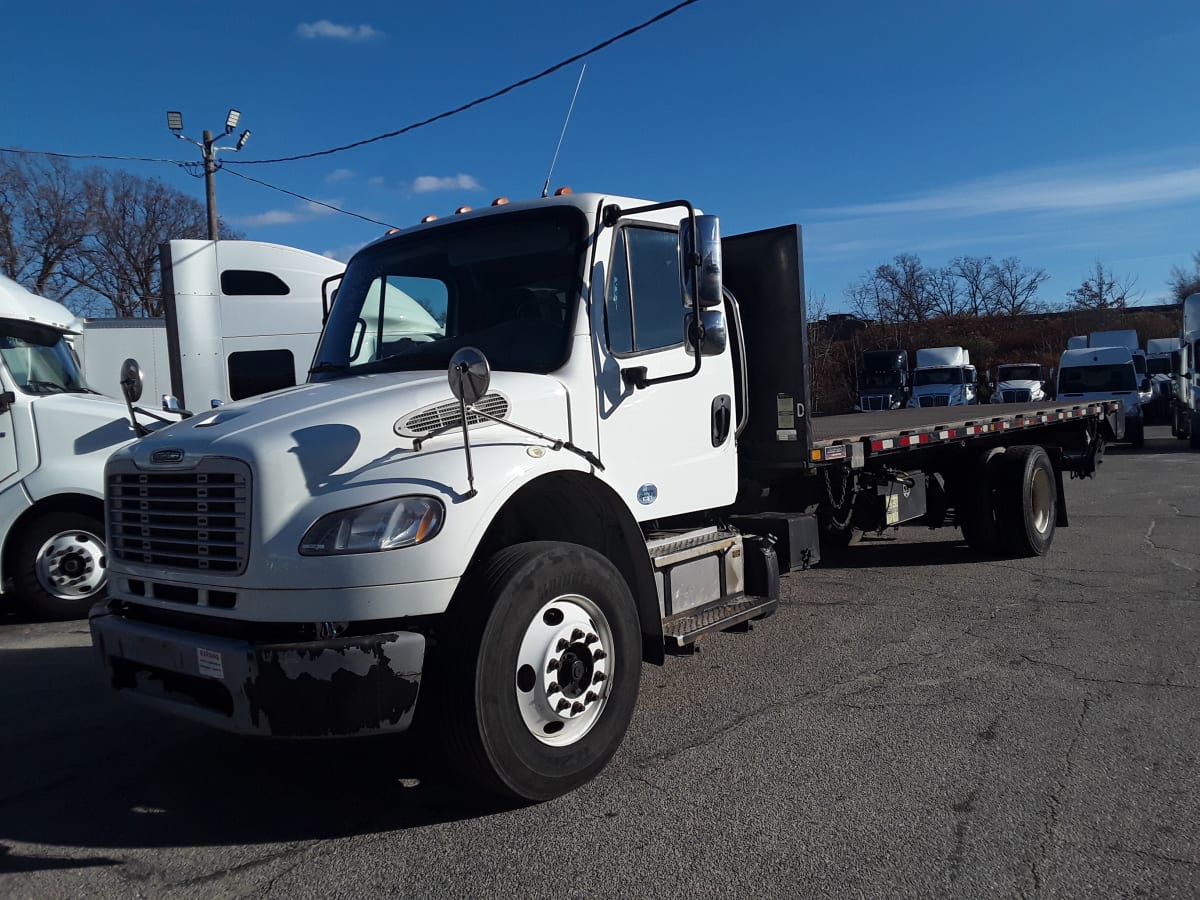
(603, 457)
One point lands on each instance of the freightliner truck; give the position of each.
(601, 456)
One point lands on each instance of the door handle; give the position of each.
(722, 417)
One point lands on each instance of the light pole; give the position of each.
(208, 148)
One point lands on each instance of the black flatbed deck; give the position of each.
(891, 430)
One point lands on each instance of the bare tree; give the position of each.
(1016, 286)
(946, 293)
(974, 276)
(1184, 282)
(1101, 289)
(45, 218)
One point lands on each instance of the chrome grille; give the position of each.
(936, 400)
(194, 519)
(1016, 396)
(876, 401)
(448, 415)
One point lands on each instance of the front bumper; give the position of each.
(344, 686)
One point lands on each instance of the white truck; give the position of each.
(1104, 373)
(1185, 418)
(55, 436)
(602, 455)
(240, 318)
(1019, 383)
(1162, 357)
(1128, 338)
(944, 376)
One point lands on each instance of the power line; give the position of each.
(492, 96)
(273, 187)
(155, 159)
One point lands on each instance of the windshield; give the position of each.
(1019, 373)
(923, 377)
(38, 359)
(880, 381)
(507, 285)
(1139, 364)
(1160, 365)
(1094, 379)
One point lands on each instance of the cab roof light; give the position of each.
(563, 191)
(391, 231)
(428, 218)
(461, 210)
(500, 201)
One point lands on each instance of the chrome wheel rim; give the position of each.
(1041, 501)
(71, 565)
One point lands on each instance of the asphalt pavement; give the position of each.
(915, 721)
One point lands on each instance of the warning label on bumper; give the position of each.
(209, 663)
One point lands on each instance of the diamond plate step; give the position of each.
(688, 627)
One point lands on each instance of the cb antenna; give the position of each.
(546, 186)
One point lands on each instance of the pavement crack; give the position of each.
(1050, 831)
(1161, 857)
(1093, 680)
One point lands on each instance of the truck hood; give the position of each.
(354, 421)
(1019, 385)
(80, 424)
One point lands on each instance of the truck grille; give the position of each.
(936, 400)
(195, 519)
(877, 401)
(1021, 396)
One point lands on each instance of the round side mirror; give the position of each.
(469, 374)
(132, 380)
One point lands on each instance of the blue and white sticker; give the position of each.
(647, 494)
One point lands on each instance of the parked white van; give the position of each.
(1104, 373)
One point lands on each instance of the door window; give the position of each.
(644, 304)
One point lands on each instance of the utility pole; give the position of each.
(208, 149)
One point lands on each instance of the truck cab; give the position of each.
(884, 382)
(1186, 407)
(55, 435)
(1101, 373)
(944, 376)
(1019, 383)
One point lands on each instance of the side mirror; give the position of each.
(469, 374)
(328, 295)
(1145, 385)
(132, 381)
(700, 260)
(714, 336)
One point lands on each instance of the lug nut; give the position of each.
(562, 645)
(591, 697)
(563, 705)
(576, 707)
(599, 655)
(576, 635)
(552, 665)
(597, 678)
(553, 688)
(590, 639)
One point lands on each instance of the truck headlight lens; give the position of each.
(399, 522)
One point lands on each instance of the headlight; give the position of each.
(399, 522)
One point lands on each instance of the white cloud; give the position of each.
(426, 184)
(1073, 189)
(326, 29)
(339, 175)
(304, 213)
(376, 181)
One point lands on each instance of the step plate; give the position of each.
(688, 627)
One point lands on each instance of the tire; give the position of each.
(1137, 435)
(59, 566)
(1027, 501)
(534, 610)
(976, 513)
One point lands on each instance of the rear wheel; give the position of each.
(542, 671)
(1027, 501)
(60, 566)
(1137, 435)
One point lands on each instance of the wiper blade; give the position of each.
(327, 367)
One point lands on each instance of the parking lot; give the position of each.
(914, 722)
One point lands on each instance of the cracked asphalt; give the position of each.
(914, 722)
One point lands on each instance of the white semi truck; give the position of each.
(944, 376)
(1019, 383)
(601, 456)
(240, 318)
(1186, 405)
(55, 436)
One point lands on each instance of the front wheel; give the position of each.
(542, 670)
(60, 566)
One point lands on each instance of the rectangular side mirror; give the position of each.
(716, 335)
(700, 260)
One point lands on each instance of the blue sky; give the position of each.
(1059, 132)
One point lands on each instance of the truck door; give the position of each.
(668, 448)
(8, 439)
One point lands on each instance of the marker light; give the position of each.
(563, 191)
(392, 231)
(500, 201)
(429, 218)
(462, 209)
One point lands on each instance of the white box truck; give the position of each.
(944, 376)
(602, 455)
(1186, 406)
(240, 318)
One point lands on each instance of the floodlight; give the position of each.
(242, 140)
(232, 120)
(175, 120)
